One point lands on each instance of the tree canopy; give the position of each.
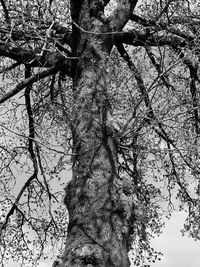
(107, 92)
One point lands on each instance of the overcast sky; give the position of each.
(178, 251)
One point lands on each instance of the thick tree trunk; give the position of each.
(100, 213)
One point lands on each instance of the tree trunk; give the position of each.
(98, 218)
(100, 213)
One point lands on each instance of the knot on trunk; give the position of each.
(89, 255)
(123, 197)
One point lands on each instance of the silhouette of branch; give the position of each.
(5, 11)
(27, 82)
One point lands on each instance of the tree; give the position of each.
(110, 88)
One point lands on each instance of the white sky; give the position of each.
(178, 251)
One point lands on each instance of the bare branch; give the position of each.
(11, 67)
(150, 113)
(120, 16)
(14, 206)
(39, 142)
(158, 68)
(35, 58)
(164, 10)
(193, 69)
(143, 38)
(157, 26)
(30, 117)
(5, 11)
(27, 82)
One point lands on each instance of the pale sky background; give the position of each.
(178, 250)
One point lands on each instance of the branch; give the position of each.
(158, 68)
(143, 21)
(11, 67)
(30, 148)
(193, 69)
(30, 116)
(181, 185)
(165, 9)
(39, 142)
(143, 38)
(27, 82)
(163, 26)
(5, 11)
(63, 34)
(150, 113)
(120, 16)
(14, 206)
(38, 57)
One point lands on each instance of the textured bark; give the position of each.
(100, 213)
